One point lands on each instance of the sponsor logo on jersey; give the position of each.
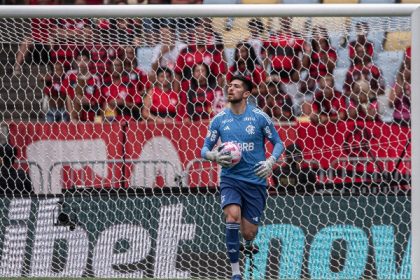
(213, 135)
(227, 121)
(246, 147)
(226, 128)
(268, 132)
(249, 119)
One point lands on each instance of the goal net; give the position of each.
(103, 120)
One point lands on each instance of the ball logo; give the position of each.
(233, 149)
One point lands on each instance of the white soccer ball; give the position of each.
(233, 149)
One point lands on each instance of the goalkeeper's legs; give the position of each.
(233, 219)
(249, 232)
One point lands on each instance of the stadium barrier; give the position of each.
(108, 155)
(172, 236)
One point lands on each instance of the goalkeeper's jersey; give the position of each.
(249, 130)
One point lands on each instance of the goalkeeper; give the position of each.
(243, 186)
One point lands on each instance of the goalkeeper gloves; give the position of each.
(264, 168)
(222, 158)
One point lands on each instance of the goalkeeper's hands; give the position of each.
(224, 159)
(265, 168)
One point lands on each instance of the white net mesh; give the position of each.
(104, 120)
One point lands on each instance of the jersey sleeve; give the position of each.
(272, 135)
(211, 137)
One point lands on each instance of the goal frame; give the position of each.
(294, 10)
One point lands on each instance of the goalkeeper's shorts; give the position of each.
(251, 198)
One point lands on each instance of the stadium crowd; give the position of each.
(94, 74)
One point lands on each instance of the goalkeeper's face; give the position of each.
(237, 92)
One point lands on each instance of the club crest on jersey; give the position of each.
(250, 129)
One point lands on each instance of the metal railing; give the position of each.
(32, 166)
(188, 168)
(114, 165)
(352, 167)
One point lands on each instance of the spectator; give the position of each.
(364, 68)
(166, 52)
(329, 104)
(407, 58)
(202, 48)
(256, 30)
(204, 97)
(12, 180)
(278, 104)
(362, 31)
(246, 64)
(215, 42)
(283, 51)
(151, 27)
(38, 2)
(101, 57)
(84, 99)
(37, 44)
(68, 39)
(186, 1)
(319, 57)
(124, 30)
(136, 76)
(294, 176)
(55, 94)
(400, 95)
(161, 103)
(318, 60)
(159, 2)
(361, 107)
(121, 95)
(102, 50)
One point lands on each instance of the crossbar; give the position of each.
(271, 10)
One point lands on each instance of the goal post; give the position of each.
(415, 114)
(129, 197)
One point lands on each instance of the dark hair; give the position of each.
(324, 34)
(84, 53)
(163, 70)
(252, 59)
(7, 154)
(362, 24)
(211, 81)
(247, 82)
(167, 23)
(185, 24)
(256, 24)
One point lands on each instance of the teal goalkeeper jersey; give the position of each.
(249, 130)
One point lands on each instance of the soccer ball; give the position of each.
(233, 149)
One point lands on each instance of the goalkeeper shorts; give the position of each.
(251, 198)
